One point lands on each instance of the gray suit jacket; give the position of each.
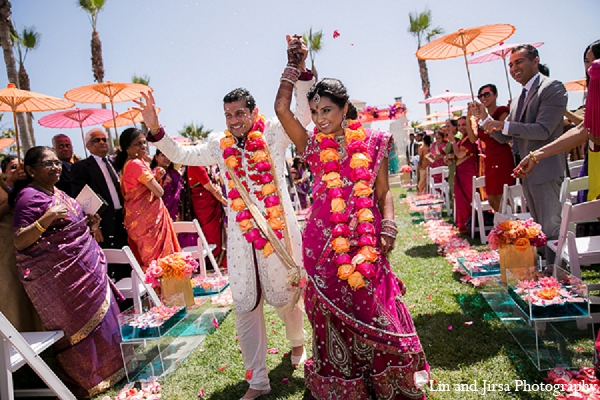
(541, 123)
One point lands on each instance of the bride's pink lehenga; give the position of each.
(364, 341)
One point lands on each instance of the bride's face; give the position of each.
(327, 116)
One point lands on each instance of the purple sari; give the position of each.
(64, 275)
(172, 192)
(364, 341)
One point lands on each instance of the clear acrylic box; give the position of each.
(154, 322)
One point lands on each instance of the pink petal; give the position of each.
(411, 306)
(201, 393)
(222, 368)
(449, 327)
(468, 323)
(432, 272)
(237, 338)
(27, 272)
(285, 380)
(429, 297)
(249, 373)
(272, 322)
(215, 323)
(273, 350)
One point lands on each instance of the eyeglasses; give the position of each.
(98, 140)
(484, 95)
(49, 164)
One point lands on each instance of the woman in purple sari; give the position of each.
(63, 271)
(364, 341)
(171, 182)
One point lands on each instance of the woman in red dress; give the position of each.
(499, 162)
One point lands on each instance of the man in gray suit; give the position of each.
(535, 119)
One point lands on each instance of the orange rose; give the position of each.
(255, 135)
(231, 184)
(338, 205)
(532, 232)
(358, 134)
(274, 211)
(321, 136)
(522, 244)
(344, 271)
(227, 142)
(260, 156)
(267, 250)
(329, 155)
(245, 225)
(356, 280)
(332, 179)
(231, 162)
(268, 189)
(340, 245)
(238, 204)
(504, 225)
(276, 223)
(360, 160)
(365, 215)
(370, 253)
(361, 189)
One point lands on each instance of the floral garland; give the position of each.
(355, 269)
(262, 177)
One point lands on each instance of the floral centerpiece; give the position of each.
(516, 240)
(172, 273)
(406, 169)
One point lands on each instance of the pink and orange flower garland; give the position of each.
(262, 177)
(359, 267)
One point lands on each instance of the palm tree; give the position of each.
(194, 132)
(27, 40)
(144, 80)
(27, 139)
(93, 7)
(420, 28)
(313, 41)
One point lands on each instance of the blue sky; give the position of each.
(196, 51)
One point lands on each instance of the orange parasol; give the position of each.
(465, 41)
(107, 92)
(17, 100)
(131, 116)
(5, 142)
(578, 85)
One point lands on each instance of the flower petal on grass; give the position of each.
(468, 323)
(201, 393)
(222, 368)
(449, 327)
(273, 350)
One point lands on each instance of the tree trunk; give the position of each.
(425, 83)
(27, 140)
(313, 69)
(98, 70)
(24, 84)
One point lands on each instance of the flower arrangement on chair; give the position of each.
(177, 265)
(406, 169)
(521, 234)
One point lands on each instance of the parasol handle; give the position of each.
(507, 80)
(112, 107)
(83, 140)
(17, 135)
(468, 75)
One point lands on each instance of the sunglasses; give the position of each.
(49, 164)
(484, 95)
(98, 140)
(13, 167)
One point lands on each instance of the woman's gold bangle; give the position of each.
(39, 226)
(533, 157)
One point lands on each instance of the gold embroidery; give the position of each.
(107, 383)
(362, 349)
(337, 351)
(93, 322)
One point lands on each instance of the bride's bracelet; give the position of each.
(290, 74)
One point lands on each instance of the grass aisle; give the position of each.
(465, 354)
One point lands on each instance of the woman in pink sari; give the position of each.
(437, 154)
(147, 220)
(364, 341)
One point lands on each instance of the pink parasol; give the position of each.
(78, 117)
(500, 53)
(446, 97)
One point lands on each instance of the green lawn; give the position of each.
(467, 354)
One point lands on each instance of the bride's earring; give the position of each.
(344, 122)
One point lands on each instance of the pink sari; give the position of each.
(148, 223)
(364, 341)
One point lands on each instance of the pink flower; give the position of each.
(262, 166)
(361, 173)
(230, 151)
(255, 144)
(266, 178)
(356, 146)
(355, 125)
(364, 202)
(242, 215)
(332, 166)
(271, 201)
(366, 228)
(335, 193)
(341, 230)
(260, 243)
(328, 144)
(278, 234)
(366, 269)
(233, 194)
(338, 218)
(343, 259)
(252, 235)
(259, 125)
(367, 240)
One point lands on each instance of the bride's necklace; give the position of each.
(341, 141)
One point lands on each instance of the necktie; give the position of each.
(520, 105)
(113, 176)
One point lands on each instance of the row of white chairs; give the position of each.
(18, 348)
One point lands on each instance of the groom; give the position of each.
(254, 275)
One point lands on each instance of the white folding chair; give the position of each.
(570, 187)
(574, 168)
(512, 201)
(134, 287)
(478, 206)
(587, 248)
(442, 187)
(17, 349)
(202, 249)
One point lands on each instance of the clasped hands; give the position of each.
(297, 51)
